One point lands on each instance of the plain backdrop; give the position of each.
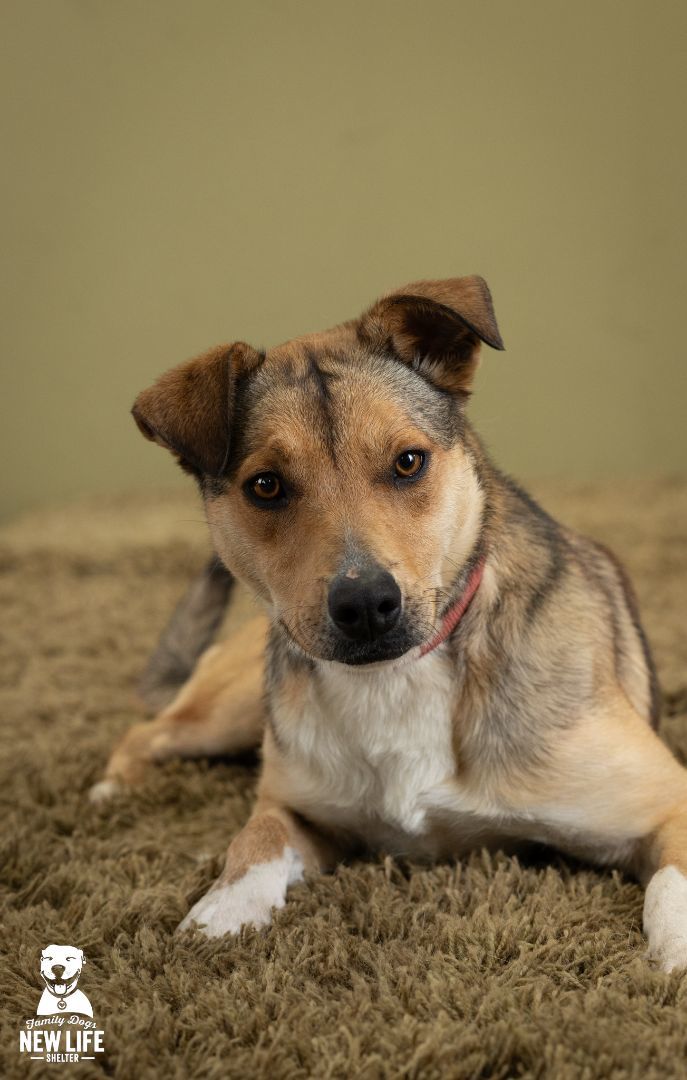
(177, 174)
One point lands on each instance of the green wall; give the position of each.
(178, 174)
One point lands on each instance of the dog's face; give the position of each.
(60, 967)
(336, 476)
(341, 510)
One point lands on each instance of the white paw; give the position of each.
(104, 791)
(665, 918)
(248, 901)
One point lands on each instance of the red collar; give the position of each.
(457, 610)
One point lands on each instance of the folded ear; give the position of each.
(437, 327)
(188, 410)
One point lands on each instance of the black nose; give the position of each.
(58, 970)
(365, 607)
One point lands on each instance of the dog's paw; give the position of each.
(249, 901)
(104, 791)
(665, 919)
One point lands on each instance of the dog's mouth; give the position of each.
(383, 653)
(59, 987)
(393, 647)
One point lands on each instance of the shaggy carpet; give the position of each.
(491, 967)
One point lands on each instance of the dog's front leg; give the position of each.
(665, 902)
(271, 852)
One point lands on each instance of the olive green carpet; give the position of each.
(485, 968)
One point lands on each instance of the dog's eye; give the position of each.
(266, 488)
(409, 464)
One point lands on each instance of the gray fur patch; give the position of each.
(191, 628)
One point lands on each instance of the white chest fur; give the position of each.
(368, 747)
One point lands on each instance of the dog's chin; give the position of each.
(397, 648)
(372, 659)
(384, 653)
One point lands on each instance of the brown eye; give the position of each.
(266, 486)
(409, 464)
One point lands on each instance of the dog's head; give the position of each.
(60, 967)
(337, 477)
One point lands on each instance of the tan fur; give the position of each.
(263, 838)
(270, 829)
(668, 844)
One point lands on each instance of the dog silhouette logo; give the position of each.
(61, 967)
(63, 1028)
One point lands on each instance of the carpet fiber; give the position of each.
(491, 967)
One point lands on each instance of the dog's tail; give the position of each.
(192, 627)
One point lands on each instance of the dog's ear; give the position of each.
(188, 410)
(437, 327)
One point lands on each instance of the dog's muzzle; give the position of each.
(365, 609)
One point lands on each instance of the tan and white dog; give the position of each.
(441, 665)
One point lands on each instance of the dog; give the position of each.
(441, 665)
(61, 967)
